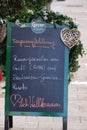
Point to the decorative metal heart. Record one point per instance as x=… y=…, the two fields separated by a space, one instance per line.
x=70 y=37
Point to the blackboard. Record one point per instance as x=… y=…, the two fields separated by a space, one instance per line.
x=37 y=72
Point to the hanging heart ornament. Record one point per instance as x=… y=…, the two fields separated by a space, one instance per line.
x=70 y=37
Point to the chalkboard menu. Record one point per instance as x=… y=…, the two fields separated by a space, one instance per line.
x=37 y=72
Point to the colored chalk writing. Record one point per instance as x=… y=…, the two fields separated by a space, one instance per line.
x=36 y=75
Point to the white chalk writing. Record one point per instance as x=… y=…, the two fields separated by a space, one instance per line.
x=16 y=86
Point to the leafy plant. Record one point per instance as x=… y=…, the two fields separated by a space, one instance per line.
x=25 y=11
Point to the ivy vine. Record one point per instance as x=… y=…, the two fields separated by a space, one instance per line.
x=25 y=11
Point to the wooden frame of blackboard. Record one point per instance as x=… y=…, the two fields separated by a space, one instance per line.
x=7 y=112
